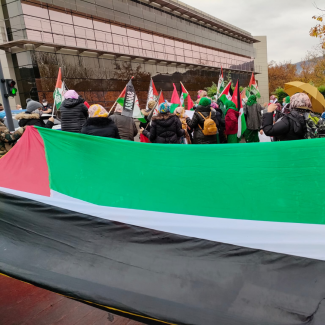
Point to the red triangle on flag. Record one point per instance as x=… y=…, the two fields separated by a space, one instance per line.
x=253 y=81
x=59 y=80
x=235 y=96
x=154 y=90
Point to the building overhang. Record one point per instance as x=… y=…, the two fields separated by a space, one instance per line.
x=28 y=45
x=182 y=9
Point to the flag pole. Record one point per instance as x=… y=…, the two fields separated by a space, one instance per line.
x=151 y=113
x=117 y=98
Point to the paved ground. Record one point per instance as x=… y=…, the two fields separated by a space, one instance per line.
x=24 y=304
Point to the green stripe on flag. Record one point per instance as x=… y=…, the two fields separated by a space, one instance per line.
x=257 y=179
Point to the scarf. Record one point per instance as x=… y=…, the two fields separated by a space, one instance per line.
x=251 y=100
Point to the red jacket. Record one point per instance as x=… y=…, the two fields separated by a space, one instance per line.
x=232 y=121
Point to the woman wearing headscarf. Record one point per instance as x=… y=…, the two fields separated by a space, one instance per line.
x=99 y=124
x=165 y=127
x=253 y=112
x=292 y=126
x=202 y=112
x=231 y=120
x=73 y=112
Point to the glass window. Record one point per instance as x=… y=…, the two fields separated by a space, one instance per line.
x=169 y=42
x=159 y=39
x=79 y=21
x=47 y=37
x=118 y=30
x=147 y=37
x=101 y=26
x=60 y=16
x=133 y=33
x=35 y=11
x=117 y=39
x=14 y=9
x=80 y=32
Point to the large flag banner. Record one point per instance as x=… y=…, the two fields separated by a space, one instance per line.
x=253 y=87
x=129 y=99
x=152 y=93
x=250 y=257
x=59 y=91
x=175 y=101
x=236 y=98
x=221 y=83
x=185 y=95
x=226 y=93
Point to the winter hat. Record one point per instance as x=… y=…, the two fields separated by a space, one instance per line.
x=287 y=100
x=87 y=104
x=164 y=108
x=204 y=101
x=323 y=115
x=71 y=94
x=97 y=111
x=300 y=100
x=214 y=105
x=32 y=106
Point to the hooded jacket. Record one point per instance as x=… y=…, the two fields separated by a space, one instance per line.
x=198 y=120
x=126 y=126
x=101 y=127
x=231 y=121
x=283 y=129
x=73 y=114
x=165 y=128
x=26 y=119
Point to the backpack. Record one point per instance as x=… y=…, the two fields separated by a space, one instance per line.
x=209 y=126
x=299 y=125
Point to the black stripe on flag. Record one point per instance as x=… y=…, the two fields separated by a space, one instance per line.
x=149 y=275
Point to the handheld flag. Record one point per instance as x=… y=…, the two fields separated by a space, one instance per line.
x=244 y=96
x=59 y=91
x=129 y=100
x=175 y=101
x=185 y=95
x=152 y=93
x=226 y=94
x=221 y=83
x=155 y=111
x=253 y=87
x=236 y=98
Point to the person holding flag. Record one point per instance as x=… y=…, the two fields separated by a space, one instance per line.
x=231 y=121
x=165 y=127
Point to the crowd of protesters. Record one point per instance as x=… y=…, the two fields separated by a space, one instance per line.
x=213 y=122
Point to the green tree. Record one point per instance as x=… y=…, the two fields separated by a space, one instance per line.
x=321 y=89
x=212 y=91
x=280 y=94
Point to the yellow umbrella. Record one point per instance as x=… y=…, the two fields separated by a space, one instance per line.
x=317 y=99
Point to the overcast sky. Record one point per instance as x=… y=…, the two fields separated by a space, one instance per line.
x=286 y=23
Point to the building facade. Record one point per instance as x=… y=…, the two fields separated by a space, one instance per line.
x=100 y=44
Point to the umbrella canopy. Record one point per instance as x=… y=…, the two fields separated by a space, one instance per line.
x=317 y=99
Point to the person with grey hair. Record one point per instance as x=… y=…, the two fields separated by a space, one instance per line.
x=126 y=126
x=32 y=116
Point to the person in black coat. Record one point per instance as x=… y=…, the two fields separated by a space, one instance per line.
x=291 y=126
x=198 y=121
x=32 y=116
x=99 y=124
x=165 y=127
x=73 y=112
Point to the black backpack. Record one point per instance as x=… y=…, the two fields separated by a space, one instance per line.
x=298 y=122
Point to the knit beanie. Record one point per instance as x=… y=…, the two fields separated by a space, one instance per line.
x=287 y=100
x=32 y=106
x=164 y=108
x=97 y=111
x=179 y=111
x=204 y=101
